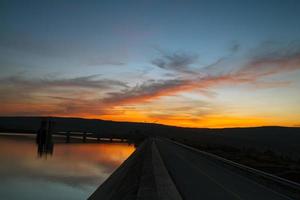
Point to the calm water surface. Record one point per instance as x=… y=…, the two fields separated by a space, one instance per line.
x=74 y=171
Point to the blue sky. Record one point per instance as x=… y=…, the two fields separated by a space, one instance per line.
x=71 y=46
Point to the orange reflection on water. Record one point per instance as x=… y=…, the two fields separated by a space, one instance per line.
x=106 y=153
x=78 y=167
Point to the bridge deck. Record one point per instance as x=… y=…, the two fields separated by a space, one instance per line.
x=161 y=169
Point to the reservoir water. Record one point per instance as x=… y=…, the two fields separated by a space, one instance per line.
x=73 y=171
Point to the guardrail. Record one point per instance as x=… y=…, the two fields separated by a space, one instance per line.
x=292 y=187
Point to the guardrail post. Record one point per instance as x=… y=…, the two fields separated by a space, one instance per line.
x=84 y=137
x=98 y=137
x=68 y=137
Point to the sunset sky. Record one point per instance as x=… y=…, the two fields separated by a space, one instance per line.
x=187 y=63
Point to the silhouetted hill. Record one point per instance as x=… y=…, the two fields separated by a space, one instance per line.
x=283 y=140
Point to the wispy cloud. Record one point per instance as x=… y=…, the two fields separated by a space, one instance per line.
x=270 y=58
x=94 y=95
x=264 y=63
x=146 y=91
x=54 y=96
x=91 y=81
x=235 y=48
x=179 y=61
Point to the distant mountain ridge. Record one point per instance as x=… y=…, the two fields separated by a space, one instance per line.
x=284 y=140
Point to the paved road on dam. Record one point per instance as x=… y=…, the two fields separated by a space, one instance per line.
x=166 y=170
x=198 y=177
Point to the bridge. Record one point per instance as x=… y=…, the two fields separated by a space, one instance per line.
x=45 y=137
x=164 y=169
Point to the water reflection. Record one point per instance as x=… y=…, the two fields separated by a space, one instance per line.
x=73 y=172
x=44 y=138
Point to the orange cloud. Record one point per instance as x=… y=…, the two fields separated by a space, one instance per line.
x=81 y=97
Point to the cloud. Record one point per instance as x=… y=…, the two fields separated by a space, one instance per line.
x=91 y=95
x=156 y=89
x=55 y=96
x=270 y=59
x=235 y=48
x=252 y=72
x=91 y=81
x=180 y=62
x=147 y=91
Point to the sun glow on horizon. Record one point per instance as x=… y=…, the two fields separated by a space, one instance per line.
x=184 y=64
